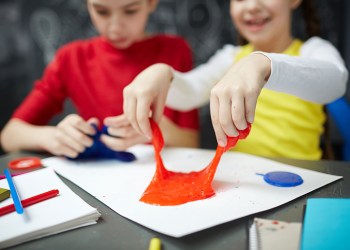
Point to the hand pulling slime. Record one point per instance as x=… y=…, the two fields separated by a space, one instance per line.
x=169 y=188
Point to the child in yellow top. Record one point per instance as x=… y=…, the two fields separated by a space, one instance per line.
x=298 y=78
x=285 y=124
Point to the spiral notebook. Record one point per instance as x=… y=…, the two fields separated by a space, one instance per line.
x=61 y=213
x=273 y=234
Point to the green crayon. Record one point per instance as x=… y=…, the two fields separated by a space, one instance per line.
x=4 y=194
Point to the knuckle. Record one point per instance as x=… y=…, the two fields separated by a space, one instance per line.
x=73 y=154
x=81 y=137
x=238 y=119
x=142 y=117
x=224 y=121
x=72 y=117
x=253 y=92
x=77 y=122
x=58 y=134
x=81 y=149
x=217 y=92
x=213 y=92
x=128 y=91
x=128 y=132
x=61 y=124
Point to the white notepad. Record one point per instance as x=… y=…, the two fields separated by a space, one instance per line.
x=61 y=213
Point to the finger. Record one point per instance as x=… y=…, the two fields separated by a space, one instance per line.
x=116 y=121
x=81 y=125
x=143 y=111
x=76 y=137
x=67 y=146
x=130 y=110
x=225 y=117
x=158 y=108
x=60 y=149
x=214 y=113
x=238 y=111
x=120 y=144
x=250 y=107
x=73 y=142
x=122 y=132
x=94 y=121
x=69 y=152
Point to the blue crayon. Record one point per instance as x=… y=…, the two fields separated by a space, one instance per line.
x=17 y=202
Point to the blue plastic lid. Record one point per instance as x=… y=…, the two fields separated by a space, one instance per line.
x=283 y=179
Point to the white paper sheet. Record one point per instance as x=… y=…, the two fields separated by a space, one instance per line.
x=239 y=191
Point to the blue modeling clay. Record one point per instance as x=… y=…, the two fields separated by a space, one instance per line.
x=282 y=179
x=98 y=150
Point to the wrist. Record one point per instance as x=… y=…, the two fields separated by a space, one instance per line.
x=44 y=137
x=265 y=62
x=165 y=70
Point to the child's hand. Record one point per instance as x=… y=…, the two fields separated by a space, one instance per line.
x=233 y=99
x=123 y=135
x=71 y=136
x=147 y=92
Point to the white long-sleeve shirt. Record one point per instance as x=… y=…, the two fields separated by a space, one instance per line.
x=317 y=75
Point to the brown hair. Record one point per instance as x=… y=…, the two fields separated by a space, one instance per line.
x=311 y=21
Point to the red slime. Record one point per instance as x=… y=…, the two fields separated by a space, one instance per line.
x=169 y=188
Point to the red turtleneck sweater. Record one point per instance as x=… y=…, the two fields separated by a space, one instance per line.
x=92 y=73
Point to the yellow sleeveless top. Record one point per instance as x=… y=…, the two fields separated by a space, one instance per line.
x=284 y=125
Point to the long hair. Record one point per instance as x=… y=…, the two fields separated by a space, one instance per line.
x=311 y=19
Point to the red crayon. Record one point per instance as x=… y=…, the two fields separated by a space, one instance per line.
x=4 y=177
x=30 y=201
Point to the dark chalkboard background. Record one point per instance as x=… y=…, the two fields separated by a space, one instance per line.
x=32 y=30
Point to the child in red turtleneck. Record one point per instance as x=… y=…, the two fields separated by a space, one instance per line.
x=92 y=73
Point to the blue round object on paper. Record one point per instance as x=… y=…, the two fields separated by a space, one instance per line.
x=283 y=179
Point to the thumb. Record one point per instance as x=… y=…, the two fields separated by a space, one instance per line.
x=93 y=120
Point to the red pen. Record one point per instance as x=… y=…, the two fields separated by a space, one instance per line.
x=4 y=177
x=30 y=201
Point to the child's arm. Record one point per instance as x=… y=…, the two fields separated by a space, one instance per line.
x=68 y=138
x=233 y=99
x=319 y=67
x=146 y=96
x=318 y=75
x=123 y=135
x=191 y=89
x=148 y=91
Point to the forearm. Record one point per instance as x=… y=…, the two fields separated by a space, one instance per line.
x=176 y=136
x=19 y=135
x=317 y=75
x=302 y=77
x=191 y=90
